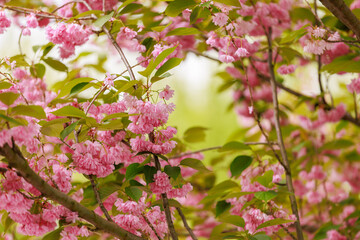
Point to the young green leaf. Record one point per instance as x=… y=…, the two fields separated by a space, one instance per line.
x=221 y=207
x=69 y=129
x=195 y=134
x=56 y=64
x=169 y=64
x=8 y=98
x=233 y=219
x=234 y=146
x=29 y=110
x=176 y=7
x=239 y=164
x=266 y=196
x=69 y=111
x=102 y=20
x=183 y=31
x=194 y=163
x=172 y=172
x=132 y=170
x=276 y=221
x=134 y=192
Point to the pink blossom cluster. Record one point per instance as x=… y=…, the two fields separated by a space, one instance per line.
x=162 y=185
x=354 y=86
x=160 y=145
x=147 y=115
x=286 y=69
x=68 y=36
x=72 y=232
x=133 y=214
x=91 y=158
x=126 y=38
x=4 y=22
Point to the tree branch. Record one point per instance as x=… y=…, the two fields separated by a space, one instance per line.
x=186 y=225
x=344 y=14
x=166 y=205
x=285 y=159
x=98 y=199
x=17 y=161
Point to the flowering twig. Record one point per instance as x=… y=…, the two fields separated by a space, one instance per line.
x=285 y=159
x=17 y=161
x=151 y=226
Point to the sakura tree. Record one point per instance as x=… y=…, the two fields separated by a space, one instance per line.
x=94 y=157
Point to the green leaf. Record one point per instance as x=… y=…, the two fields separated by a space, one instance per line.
x=235 y=3
x=239 y=164
x=134 y=192
x=153 y=64
x=195 y=134
x=115 y=124
x=321 y=232
x=223 y=187
x=221 y=207
x=262 y=236
x=195 y=164
x=172 y=172
x=102 y=20
x=233 y=219
x=293 y=36
x=265 y=179
x=183 y=31
x=342 y=64
x=69 y=111
x=8 y=98
x=56 y=64
x=149 y=172
x=234 y=146
x=132 y=170
x=169 y=64
x=54 y=235
x=106 y=188
x=87 y=13
x=337 y=144
x=69 y=87
x=131 y=8
x=38 y=70
x=276 y=221
x=69 y=129
x=172 y=203
x=76 y=89
x=117 y=115
x=5 y=85
x=176 y=7
x=265 y=196
x=29 y=110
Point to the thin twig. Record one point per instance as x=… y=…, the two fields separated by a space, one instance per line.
x=281 y=141
x=98 y=199
x=166 y=205
x=186 y=225
x=355 y=106
x=151 y=226
x=288 y=232
x=219 y=147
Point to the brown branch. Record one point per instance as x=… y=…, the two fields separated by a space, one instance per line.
x=166 y=204
x=17 y=161
x=344 y=14
x=285 y=159
x=186 y=225
x=151 y=226
x=98 y=199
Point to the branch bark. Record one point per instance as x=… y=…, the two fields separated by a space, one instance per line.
x=166 y=206
x=17 y=161
x=344 y=14
x=285 y=159
x=186 y=225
